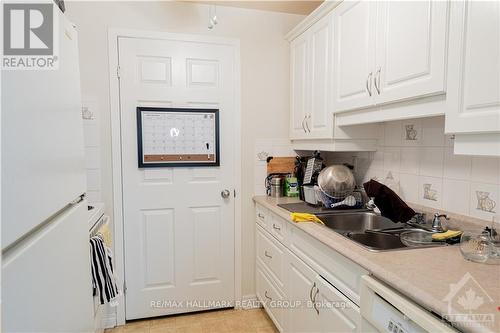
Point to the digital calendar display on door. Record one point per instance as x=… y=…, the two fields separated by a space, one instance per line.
x=177 y=137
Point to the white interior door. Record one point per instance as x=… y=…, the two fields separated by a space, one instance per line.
x=354 y=55
x=411 y=49
x=178 y=229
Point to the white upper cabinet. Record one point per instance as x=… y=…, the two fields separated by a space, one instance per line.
x=354 y=55
x=311 y=112
x=473 y=98
x=319 y=121
x=388 y=51
x=298 y=76
x=411 y=50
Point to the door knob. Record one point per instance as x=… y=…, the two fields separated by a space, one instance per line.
x=225 y=194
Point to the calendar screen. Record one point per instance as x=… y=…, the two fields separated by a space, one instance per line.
x=177 y=137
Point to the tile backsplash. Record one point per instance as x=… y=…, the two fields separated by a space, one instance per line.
x=415 y=158
x=92 y=150
x=263 y=149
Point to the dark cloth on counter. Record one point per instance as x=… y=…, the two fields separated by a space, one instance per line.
x=389 y=203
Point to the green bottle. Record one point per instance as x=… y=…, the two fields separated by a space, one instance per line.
x=291 y=187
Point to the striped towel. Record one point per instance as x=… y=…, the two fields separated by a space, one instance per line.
x=103 y=277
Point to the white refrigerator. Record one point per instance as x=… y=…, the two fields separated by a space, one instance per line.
x=46 y=279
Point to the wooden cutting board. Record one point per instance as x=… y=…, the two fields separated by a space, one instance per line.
x=281 y=165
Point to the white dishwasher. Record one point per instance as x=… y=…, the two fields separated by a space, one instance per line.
x=389 y=311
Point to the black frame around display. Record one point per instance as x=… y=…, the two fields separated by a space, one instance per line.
x=170 y=164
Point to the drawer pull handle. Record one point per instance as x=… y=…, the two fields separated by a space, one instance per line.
x=276 y=227
x=268 y=255
x=265 y=294
x=369 y=84
x=311 y=291
x=314 y=301
x=377 y=78
x=260 y=215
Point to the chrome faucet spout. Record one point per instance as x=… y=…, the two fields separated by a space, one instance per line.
x=437 y=226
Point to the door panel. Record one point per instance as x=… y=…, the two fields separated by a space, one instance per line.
x=207 y=244
x=158 y=246
x=473 y=102
x=299 y=82
x=411 y=49
x=320 y=121
x=301 y=285
x=179 y=231
x=354 y=54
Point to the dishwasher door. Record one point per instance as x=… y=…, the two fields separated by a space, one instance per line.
x=389 y=311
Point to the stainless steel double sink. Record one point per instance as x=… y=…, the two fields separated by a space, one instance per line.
x=370 y=230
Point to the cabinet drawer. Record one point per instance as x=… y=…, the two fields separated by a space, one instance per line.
x=270 y=297
x=336 y=312
x=261 y=215
x=340 y=271
x=270 y=255
x=278 y=227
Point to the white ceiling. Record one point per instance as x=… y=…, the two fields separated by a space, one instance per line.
x=293 y=7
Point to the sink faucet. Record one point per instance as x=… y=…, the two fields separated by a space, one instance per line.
x=436 y=223
x=419 y=218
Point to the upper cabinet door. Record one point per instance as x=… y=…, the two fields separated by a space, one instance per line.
x=411 y=50
x=354 y=55
x=320 y=114
x=473 y=98
x=299 y=82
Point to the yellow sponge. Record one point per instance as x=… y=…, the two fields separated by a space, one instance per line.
x=446 y=235
x=305 y=217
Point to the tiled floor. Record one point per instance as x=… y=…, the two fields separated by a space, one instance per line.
x=220 y=321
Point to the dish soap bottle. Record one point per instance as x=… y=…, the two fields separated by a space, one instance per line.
x=291 y=186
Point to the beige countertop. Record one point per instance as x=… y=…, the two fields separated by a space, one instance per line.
x=427 y=275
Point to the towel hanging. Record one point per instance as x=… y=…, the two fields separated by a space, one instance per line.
x=103 y=277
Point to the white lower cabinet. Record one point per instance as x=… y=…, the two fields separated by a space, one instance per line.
x=336 y=313
x=302 y=317
x=270 y=254
x=304 y=286
x=270 y=297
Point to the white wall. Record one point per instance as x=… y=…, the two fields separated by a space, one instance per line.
x=264 y=77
